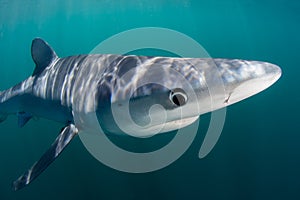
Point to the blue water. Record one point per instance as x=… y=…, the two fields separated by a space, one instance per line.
x=258 y=154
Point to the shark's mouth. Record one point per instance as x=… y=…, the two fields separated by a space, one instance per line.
x=169 y=126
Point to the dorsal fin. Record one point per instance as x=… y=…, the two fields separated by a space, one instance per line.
x=42 y=54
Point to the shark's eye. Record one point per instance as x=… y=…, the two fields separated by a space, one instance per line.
x=178 y=97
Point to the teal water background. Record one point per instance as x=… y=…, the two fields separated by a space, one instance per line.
x=258 y=154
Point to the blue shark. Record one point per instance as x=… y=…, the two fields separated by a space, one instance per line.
x=62 y=88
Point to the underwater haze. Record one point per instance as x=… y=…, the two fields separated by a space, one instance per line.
x=258 y=153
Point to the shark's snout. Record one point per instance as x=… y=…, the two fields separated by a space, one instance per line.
x=243 y=79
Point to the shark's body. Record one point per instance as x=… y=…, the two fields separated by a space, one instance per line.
x=60 y=88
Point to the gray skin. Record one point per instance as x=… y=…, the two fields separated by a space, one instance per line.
x=124 y=92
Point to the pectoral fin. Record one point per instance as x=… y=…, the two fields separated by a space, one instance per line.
x=23 y=118
x=3 y=117
x=49 y=156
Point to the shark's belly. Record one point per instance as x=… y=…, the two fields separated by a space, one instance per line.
x=48 y=109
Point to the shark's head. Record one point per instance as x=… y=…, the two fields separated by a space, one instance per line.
x=157 y=95
x=243 y=79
